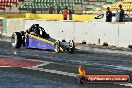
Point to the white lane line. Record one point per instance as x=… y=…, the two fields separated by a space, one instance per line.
x=59 y=72
x=27 y=67
x=52 y=71
x=127 y=84
x=36 y=60
x=45 y=63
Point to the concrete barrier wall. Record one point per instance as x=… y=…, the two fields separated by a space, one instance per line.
x=125 y=35
x=14 y=25
x=84 y=32
x=106 y=33
x=114 y=34
x=96 y=33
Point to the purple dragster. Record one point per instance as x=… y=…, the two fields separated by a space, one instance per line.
x=36 y=37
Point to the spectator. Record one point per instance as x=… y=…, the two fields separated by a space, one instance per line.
x=120 y=14
x=108 y=15
x=70 y=14
x=58 y=9
x=65 y=13
x=51 y=9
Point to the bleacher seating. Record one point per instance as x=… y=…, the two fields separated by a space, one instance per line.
x=4 y=4
x=3 y=7
x=41 y=5
x=7 y=3
x=126 y=4
x=38 y=5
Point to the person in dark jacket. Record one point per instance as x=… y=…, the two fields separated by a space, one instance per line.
x=51 y=9
x=70 y=14
x=108 y=15
x=120 y=14
x=58 y=9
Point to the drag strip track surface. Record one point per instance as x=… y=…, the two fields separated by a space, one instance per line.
x=57 y=70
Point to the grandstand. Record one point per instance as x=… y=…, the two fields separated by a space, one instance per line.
x=56 y=6
x=7 y=3
x=38 y=5
x=94 y=2
x=43 y=6
x=126 y=4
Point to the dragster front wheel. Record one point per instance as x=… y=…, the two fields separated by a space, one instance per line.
x=16 y=40
x=57 y=46
x=71 y=47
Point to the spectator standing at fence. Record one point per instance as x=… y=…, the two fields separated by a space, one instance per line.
x=120 y=14
x=65 y=14
x=58 y=9
x=51 y=9
x=70 y=14
x=108 y=15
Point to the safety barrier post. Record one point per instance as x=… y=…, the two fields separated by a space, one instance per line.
x=3 y=25
x=4 y=30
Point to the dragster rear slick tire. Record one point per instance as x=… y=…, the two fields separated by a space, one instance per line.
x=16 y=40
